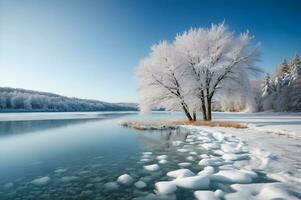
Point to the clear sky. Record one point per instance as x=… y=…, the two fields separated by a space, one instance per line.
x=91 y=48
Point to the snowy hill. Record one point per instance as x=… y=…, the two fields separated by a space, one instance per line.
x=15 y=99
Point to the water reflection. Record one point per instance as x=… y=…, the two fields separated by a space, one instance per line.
x=8 y=128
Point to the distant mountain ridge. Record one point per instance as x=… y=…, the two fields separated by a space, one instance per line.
x=17 y=99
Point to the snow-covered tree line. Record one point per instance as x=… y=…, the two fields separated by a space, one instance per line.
x=28 y=100
x=196 y=69
x=282 y=90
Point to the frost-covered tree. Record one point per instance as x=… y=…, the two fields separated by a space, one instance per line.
x=204 y=62
x=161 y=79
x=282 y=92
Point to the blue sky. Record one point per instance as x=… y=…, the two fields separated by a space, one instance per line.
x=90 y=49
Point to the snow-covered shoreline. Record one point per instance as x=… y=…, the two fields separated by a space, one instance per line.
x=271 y=151
x=234 y=156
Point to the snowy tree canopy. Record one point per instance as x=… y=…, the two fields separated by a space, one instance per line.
x=200 y=63
x=12 y=99
x=282 y=91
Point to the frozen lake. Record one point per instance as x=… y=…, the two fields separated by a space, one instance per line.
x=75 y=155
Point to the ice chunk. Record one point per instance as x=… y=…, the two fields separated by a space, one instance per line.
x=125 y=179
x=231 y=156
x=193 y=153
x=209 y=146
x=205 y=195
x=145 y=160
x=165 y=187
x=183 y=150
x=219 y=193
x=184 y=164
x=162 y=157
x=177 y=143
x=163 y=161
x=111 y=186
x=140 y=184
x=156 y=197
x=211 y=161
x=180 y=173
x=232 y=176
x=198 y=182
x=190 y=158
x=207 y=171
x=204 y=156
x=153 y=167
x=41 y=181
x=147 y=153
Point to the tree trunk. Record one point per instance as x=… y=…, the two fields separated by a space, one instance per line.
x=209 y=111
x=203 y=106
x=186 y=112
x=194 y=116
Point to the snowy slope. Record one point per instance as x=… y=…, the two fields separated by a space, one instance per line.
x=12 y=99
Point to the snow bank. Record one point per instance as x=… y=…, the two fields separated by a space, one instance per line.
x=266 y=191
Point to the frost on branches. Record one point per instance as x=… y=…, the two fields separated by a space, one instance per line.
x=282 y=91
x=198 y=67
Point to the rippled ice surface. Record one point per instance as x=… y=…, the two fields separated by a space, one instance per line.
x=74 y=159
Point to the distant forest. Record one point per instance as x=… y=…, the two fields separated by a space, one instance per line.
x=13 y=99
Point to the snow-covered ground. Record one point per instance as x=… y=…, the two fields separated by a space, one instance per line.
x=288 y=124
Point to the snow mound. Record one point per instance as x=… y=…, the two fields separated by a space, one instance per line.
x=163 y=161
x=165 y=187
x=125 y=179
x=233 y=176
x=207 y=171
x=177 y=143
x=210 y=146
x=180 y=173
x=205 y=195
x=233 y=157
x=184 y=164
x=183 y=150
x=153 y=167
x=145 y=160
x=267 y=191
x=211 y=162
x=41 y=181
x=140 y=184
x=198 y=182
x=190 y=158
x=157 y=197
x=162 y=157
